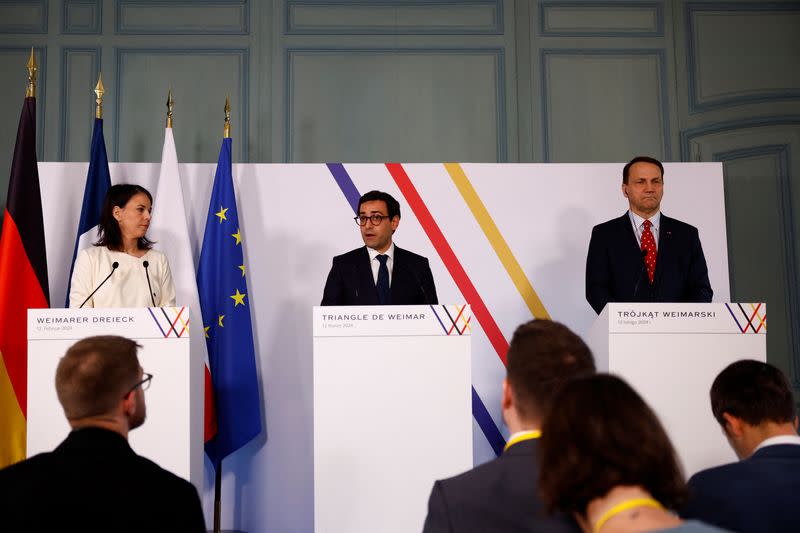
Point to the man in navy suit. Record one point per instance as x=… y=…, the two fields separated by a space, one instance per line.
x=503 y=495
x=644 y=255
x=379 y=273
x=753 y=403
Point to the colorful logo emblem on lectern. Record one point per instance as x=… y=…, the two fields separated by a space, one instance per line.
x=172 y=321
x=751 y=320
x=454 y=321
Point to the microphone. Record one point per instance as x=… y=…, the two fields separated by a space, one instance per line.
x=145 y=264
x=114 y=266
x=641 y=271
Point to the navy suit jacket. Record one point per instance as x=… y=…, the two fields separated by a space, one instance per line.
x=501 y=495
x=94 y=482
x=614 y=265
x=350 y=281
x=761 y=493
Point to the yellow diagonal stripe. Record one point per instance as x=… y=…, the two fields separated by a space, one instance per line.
x=497 y=241
x=758 y=314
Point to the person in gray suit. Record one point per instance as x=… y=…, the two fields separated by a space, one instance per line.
x=502 y=495
x=753 y=403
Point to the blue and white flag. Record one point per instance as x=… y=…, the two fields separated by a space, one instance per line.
x=98 y=181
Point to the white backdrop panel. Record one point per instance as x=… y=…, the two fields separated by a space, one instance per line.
x=295 y=219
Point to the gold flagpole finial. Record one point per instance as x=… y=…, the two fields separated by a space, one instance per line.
x=227 y=132
x=170 y=105
x=99 y=90
x=30 y=90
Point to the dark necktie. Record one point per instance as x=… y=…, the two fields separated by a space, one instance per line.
x=649 y=244
x=384 y=294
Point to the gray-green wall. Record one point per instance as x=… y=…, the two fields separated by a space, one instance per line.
x=442 y=80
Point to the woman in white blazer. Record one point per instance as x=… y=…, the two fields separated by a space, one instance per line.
x=137 y=275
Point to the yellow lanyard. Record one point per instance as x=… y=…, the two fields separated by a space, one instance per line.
x=524 y=435
x=624 y=506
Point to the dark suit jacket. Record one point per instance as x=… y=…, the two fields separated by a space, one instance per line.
x=614 y=265
x=501 y=495
x=761 y=493
x=93 y=481
x=350 y=280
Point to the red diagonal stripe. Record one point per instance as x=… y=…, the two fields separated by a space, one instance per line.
x=172 y=326
x=451 y=262
x=455 y=321
x=755 y=312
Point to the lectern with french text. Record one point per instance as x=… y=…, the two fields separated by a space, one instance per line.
x=392 y=412
x=671 y=353
x=172 y=435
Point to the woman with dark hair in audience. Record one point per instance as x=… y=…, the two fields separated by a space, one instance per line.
x=606 y=460
x=123 y=251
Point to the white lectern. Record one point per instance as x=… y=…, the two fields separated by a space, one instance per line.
x=671 y=353
x=392 y=412
x=172 y=435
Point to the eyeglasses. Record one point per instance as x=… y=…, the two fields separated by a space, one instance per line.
x=376 y=219
x=144 y=383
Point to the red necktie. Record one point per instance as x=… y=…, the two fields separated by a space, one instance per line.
x=649 y=244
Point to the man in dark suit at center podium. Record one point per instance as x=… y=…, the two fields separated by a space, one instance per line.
x=379 y=273
x=644 y=255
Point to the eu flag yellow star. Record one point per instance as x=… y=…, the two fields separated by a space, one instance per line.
x=221 y=214
x=205 y=330
x=237 y=236
x=238 y=298
x=219 y=321
x=242 y=268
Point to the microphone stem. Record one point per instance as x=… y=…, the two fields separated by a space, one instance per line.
x=113 y=268
x=149 y=287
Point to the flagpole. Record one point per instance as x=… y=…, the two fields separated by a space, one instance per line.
x=30 y=90
x=217 y=491
x=99 y=90
x=226 y=133
x=170 y=106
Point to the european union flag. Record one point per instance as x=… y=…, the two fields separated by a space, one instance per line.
x=224 y=302
x=98 y=181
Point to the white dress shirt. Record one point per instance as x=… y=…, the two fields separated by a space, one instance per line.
x=373 y=260
x=638 y=226
x=780 y=439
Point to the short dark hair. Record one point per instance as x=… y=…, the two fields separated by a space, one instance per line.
x=95 y=374
x=542 y=356
x=603 y=435
x=392 y=205
x=753 y=391
x=108 y=231
x=640 y=159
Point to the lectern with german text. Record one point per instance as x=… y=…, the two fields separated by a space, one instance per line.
x=172 y=435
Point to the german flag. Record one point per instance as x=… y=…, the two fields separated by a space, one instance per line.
x=23 y=283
